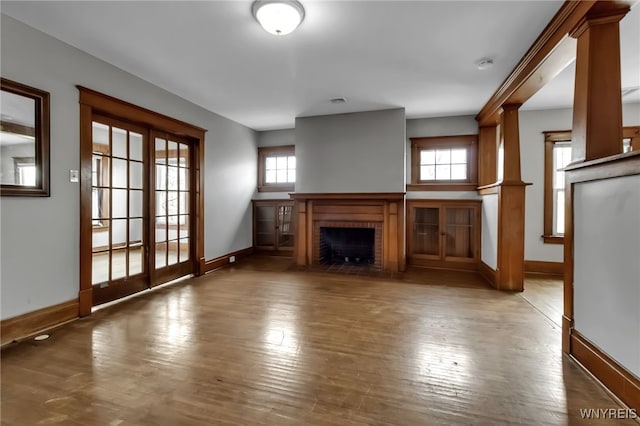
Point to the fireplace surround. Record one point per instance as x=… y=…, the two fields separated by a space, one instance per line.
x=381 y=212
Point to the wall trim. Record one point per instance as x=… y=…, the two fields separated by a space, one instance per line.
x=543 y=267
x=488 y=273
x=615 y=377
x=22 y=326
x=222 y=261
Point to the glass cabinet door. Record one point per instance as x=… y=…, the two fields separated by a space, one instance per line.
x=426 y=230
x=285 y=226
x=459 y=223
x=265 y=224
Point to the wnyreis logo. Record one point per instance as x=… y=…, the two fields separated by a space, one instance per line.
x=608 y=413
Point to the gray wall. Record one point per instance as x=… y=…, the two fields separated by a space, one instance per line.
x=39 y=242
x=606 y=267
x=358 y=152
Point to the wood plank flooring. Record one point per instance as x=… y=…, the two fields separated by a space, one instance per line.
x=262 y=344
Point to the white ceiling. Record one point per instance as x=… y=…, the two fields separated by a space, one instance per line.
x=419 y=55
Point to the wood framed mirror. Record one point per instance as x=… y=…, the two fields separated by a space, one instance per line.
x=24 y=140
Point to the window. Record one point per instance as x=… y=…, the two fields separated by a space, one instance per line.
x=557 y=157
x=276 y=168
x=444 y=163
x=25 y=169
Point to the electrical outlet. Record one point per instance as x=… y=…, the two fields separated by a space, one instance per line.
x=232 y=259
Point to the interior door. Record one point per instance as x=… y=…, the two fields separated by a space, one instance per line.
x=119 y=229
x=171 y=202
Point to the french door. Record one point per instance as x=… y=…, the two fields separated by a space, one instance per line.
x=141 y=208
x=172 y=214
x=119 y=228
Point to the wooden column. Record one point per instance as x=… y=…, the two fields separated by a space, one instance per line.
x=487 y=155
x=597 y=118
x=511 y=201
x=597 y=105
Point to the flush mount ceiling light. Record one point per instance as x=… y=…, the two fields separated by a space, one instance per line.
x=278 y=17
x=484 y=63
x=340 y=100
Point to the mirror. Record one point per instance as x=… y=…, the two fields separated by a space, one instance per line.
x=24 y=140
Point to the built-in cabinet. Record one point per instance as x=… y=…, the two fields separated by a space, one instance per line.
x=443 y=233
x=274 y=226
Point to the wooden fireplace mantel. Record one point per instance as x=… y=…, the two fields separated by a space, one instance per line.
x=383 y=211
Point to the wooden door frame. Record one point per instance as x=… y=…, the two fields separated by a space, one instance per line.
x=94 y=102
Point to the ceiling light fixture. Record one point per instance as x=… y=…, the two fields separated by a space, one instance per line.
x=278 y=17
x=340 y=100
x=484 y=63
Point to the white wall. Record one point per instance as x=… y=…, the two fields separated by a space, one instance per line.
x=532 y=124
x=358 y=152
x=490 y=230
x=607 y=267
x=275 y=138
x=39 y=241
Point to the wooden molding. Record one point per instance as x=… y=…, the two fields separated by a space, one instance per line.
x=567 y=326
x=117 y=108
x=488 y=189
x=222 y=261
x=489 y=274
x=541 y=267
x=25 y=325
x=605 y=168
x=488 y=154
x=553 y=239
x=348 y=196
x=441 y=186
x=615 y=377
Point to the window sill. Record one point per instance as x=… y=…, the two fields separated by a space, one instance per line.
x=442 y=186
x=553 y=239
x=276 y=188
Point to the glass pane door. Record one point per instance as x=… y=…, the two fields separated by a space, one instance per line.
x=172 y=211
x=459 y=227
x=265 y=223
x=285 y=226
x=117 y=209
x=426 y=231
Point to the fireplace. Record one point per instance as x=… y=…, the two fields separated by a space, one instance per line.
x=352 y=246
x=353 y=229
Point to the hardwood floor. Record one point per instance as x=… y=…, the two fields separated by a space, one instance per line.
x=545 y=293
x=262 y=344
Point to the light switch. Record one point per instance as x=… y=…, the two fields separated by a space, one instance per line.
x=73 y=176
